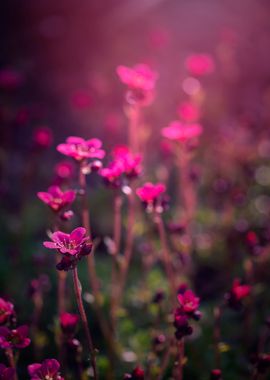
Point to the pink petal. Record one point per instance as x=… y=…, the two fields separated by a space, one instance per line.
x=69 y=196
x=78 y=234
x=33 y=368
x=44 y=197
x=60 y=237
x=50 y=245
x=75 y=140
x=55 y=191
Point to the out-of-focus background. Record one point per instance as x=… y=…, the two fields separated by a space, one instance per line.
x=58 y=78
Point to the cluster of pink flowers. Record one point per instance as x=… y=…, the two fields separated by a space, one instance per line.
x=71 y=246
x=189 y=305
x=124 y=167
x=6 y=373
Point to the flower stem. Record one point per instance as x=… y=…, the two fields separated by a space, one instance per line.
x=217 y=335
x=78 y=293
x=117 y=239
x=180 y=361
x=164 y=362
x=166 y=256
x=10 y=356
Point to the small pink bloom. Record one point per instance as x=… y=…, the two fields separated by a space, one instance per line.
x=68 y=243
x=6 y=310
x=80 y=149
x=43 y=137
x=64 y=169
x=16 y=338
x=140 y=77
x=72 y=246
x=112 y=173
x=57 y=199
x=188 y=112
x=6 y=373
x=188 y=301
x=239 y=290
x=150 y=192
x=131 y=162
x=68 y=322
x=181 y=132
x=200 y=64
x=47 y=370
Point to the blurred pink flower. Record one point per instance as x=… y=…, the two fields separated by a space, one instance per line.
x=150 y=192
x=16 y=338
x=57 y=199
x=112 y=173
x=80 y=149
x=6 y=373
x=131 y=162
x=43 y=137
x=68 y=322
x=240 y=291
x=200 y=64
x=6 y=310
x=140 y=77
x=181 y=132
x=64 y=169
x=188 y=112
x=188 y=301
x=47 y=370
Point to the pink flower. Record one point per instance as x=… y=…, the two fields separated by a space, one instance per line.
x=16 y=338
x=47 y=370
x=131 y=163
x=140 y=77
x=43 y=137
x=57 y=199
x=200 y=64
x=6 y=373
x=64 y=169
x=237 y=294
x=72 y=246
x=112 y=173
x=181 y=132
x=188 y=301
x=6 y=310
x=240 y=291
x=150 y=192
x=80 y=149
x=189 y=112
x=68 y=322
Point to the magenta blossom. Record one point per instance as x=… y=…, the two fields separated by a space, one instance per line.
x=47 y=370
x=80 y=149
x=6 y=373
x=16 y=338
x=237 y=294
x=188 y=301
x=149 y=192
x=43 y=137
x=68 y=322
x=131 y=162
x=181 y=132
x=188 y=112
x=72 y=246
x=112 y=173
x=6 y=310
x=200 y=64
x=57 y=199
x=140 y=77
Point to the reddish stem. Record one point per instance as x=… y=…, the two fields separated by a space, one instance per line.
x=11 y=360
x=78 y=293
x=166 y=256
